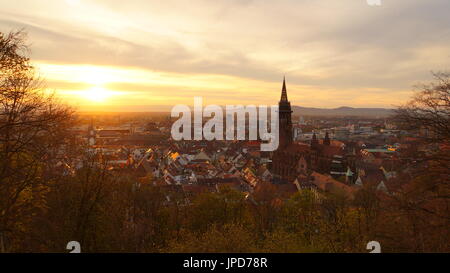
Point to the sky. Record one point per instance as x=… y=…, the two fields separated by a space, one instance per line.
x=147 y=55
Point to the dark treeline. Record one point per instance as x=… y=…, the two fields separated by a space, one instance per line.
x=107 y=212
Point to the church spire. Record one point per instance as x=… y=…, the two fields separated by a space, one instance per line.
x=327 y=140
x=285 y=120
x=314 y=142
x=283 y=91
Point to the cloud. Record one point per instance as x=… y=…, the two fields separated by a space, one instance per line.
x=322 y=44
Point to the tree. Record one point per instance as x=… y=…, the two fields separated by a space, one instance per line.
x=429 y=109
x=228 y=238
x=33 y=130
x=300 y=214
x=423 y=201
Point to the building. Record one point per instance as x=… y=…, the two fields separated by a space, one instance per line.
x=292 y=159
x=289 y=156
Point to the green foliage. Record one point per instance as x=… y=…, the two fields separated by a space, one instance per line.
x=232 y=238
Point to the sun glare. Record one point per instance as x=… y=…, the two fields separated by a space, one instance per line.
x=97 y=94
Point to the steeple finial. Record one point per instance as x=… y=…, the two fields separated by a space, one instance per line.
x=283 y=91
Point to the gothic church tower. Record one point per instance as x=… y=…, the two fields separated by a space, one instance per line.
x=284 y=116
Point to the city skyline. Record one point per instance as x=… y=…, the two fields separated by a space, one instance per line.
x=104 y=54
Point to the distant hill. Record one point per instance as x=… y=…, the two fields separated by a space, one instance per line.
x=342 y=111
x=298 y=110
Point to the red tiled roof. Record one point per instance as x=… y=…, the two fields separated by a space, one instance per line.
x=298 y=147
x=328 y=184
x=330 y=151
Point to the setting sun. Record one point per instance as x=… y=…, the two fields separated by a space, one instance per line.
x=97 y=94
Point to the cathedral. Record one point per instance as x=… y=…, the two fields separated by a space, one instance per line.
x=293 y=160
